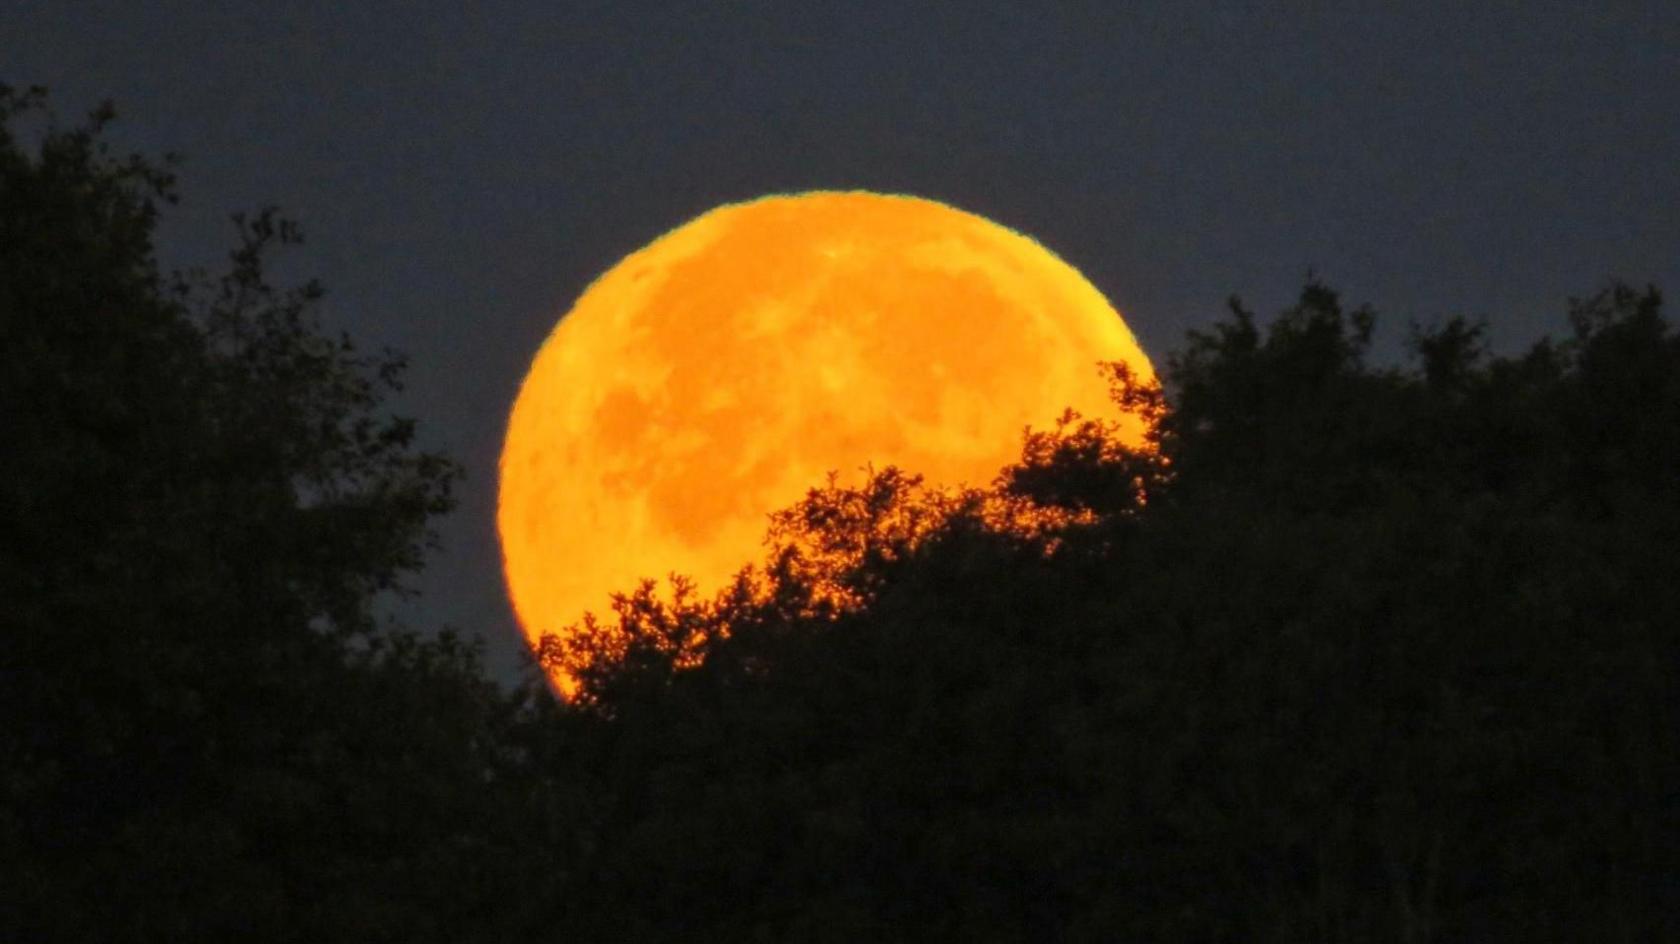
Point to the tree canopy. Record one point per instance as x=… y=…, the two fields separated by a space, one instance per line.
x=206 y=731
x=1345 y=652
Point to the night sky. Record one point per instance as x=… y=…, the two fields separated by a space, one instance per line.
x=463 y=170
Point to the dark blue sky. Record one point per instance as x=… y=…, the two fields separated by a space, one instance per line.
x=463 y=170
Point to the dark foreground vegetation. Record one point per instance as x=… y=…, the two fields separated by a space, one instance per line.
x=1346 y=653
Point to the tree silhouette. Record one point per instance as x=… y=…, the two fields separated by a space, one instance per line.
x=1342 y=653
x=206 y=733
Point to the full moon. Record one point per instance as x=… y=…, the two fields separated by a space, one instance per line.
x=720 y=372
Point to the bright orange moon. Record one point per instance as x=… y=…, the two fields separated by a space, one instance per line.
x=718 y=373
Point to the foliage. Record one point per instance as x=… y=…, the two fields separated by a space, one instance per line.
x=1340 y=653
x=203 y=730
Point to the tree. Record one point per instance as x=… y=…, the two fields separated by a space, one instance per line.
x=206 y=732
x=1342 y=653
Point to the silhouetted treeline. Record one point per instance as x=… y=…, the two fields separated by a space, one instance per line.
x=1344 y=652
